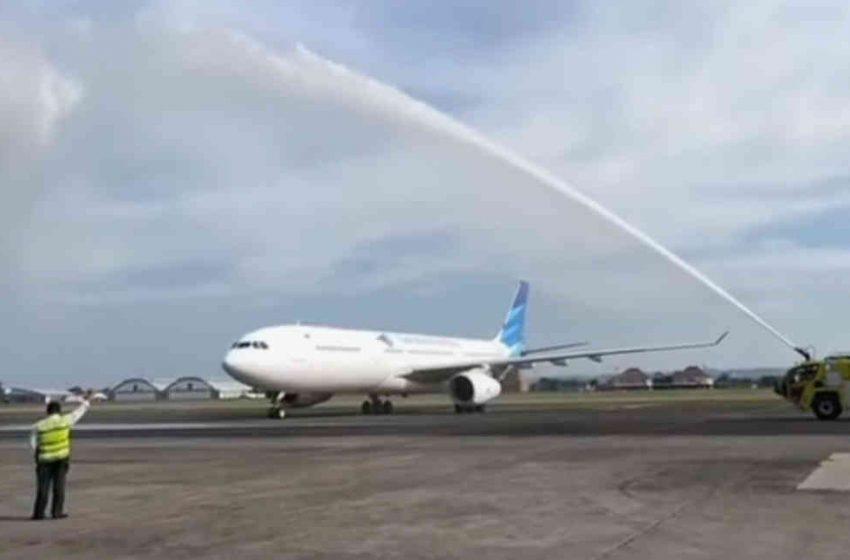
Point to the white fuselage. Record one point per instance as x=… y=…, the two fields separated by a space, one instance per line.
x=302 y=359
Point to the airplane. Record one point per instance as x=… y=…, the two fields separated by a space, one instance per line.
x=303 y=365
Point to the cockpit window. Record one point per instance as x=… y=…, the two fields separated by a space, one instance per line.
x=258 y=344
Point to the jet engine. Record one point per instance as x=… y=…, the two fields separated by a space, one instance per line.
x=303 y=400
x=473 y=388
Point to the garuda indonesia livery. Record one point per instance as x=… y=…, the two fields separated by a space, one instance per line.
x=302 y=365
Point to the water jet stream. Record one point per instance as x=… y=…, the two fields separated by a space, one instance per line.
x=386 y=99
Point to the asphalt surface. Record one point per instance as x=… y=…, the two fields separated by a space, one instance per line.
x=619 y=479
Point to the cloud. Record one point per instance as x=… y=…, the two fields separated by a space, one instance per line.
x=35 y=98
x=283 y=163
x=193 y=171
x=688 y=111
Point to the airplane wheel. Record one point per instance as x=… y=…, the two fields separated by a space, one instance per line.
x=277 y=413
x=479 y=408
x=387 y=407
x=366 y=407
x=458 y=409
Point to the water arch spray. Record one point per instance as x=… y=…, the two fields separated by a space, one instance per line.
x=366 y=93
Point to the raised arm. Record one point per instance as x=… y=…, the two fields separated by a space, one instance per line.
x=78 y=413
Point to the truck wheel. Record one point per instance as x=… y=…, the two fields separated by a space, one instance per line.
x=827 y=407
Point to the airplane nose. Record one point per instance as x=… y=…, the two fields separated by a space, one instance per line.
x=233 y=365
x=245 y=366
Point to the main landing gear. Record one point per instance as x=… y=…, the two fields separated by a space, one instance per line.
x=376 y=406
x=276 y=412
x=468 y=408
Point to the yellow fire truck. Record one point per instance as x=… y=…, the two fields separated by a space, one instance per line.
x=818 y=385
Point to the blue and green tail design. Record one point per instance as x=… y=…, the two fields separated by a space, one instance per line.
x=512 y=333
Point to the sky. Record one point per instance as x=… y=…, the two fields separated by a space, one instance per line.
x=174 y=174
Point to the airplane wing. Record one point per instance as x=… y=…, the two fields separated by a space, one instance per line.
x=552 y=348
x=442 y=372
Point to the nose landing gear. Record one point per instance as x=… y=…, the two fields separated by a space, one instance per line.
x=276 y=410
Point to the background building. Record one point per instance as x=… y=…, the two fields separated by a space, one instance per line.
x=186 y=388
x=232 y=389
x=137 y=389
x=18 y=395
x=189 y=388
x=26 y=395
x=692 y=376
x=198 y=388
x=632 y=378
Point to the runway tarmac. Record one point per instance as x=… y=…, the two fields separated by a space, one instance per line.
x=622 y=479
x=624 y=416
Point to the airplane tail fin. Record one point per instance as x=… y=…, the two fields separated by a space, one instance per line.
x=512 y=333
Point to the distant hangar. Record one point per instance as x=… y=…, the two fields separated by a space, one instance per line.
x=137 y=389
x=180 y=389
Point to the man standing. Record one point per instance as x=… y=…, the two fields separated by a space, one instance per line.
x=51 y=441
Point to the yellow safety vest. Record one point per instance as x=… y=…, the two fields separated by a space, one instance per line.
x=54 y=438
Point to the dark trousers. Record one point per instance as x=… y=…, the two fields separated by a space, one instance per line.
x=50 y=474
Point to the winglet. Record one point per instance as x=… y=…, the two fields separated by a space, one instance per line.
x=720 y=338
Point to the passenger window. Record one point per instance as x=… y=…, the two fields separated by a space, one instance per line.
x=264 y=346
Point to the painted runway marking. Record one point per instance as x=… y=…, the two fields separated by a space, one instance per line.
x=832 y=474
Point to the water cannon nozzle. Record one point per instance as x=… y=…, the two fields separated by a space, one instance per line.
x=803 y=352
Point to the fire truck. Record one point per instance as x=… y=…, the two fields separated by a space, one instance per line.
x=820 y=386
